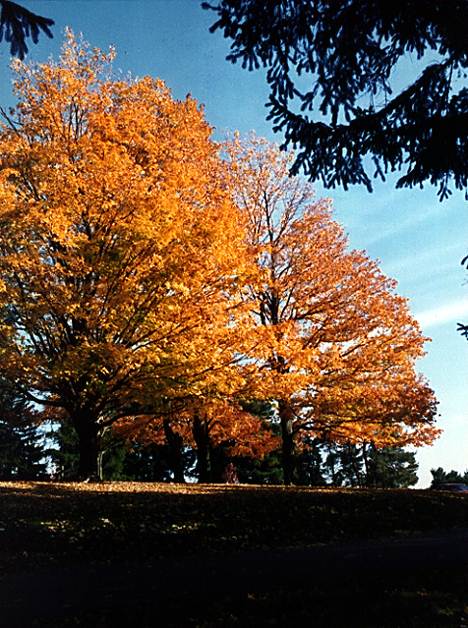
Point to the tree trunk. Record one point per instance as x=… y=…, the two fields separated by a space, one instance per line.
x=288 y=461
x=174 y=443
x=219 y=460
x=202 y=440
x=89 y=467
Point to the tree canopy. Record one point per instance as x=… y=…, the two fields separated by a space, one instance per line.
x=338 y=345
x=330 y=67
x=332 y=348
x=119 y=246
x=147 y=282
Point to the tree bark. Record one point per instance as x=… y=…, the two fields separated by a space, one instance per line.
x=89 y=467
x=219 y=460
x=288 y=460
x=174 y=443
x=202 y=440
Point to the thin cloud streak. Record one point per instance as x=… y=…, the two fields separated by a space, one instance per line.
x=392 y=229
x=444 y=258
x=456 y=311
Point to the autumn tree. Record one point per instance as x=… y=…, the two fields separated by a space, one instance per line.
x=223 y=431
x=120 y=248
x=330 y=68
x=338 y=345
x=265 y=469
x=165 y=433
x=218 y=430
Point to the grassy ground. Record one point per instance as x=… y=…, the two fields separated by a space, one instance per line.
x=48 y=521
x=46 y=526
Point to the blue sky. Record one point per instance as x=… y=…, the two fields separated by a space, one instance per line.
x=419 y=241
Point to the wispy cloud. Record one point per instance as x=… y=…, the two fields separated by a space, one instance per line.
x=389 y=213
x=442 y=259
x=396 y=224
x=453 y=312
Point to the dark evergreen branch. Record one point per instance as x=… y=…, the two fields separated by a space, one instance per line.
x=17 y=24
x=348 y=51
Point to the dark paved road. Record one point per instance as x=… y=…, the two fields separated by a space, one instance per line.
x=59 y=591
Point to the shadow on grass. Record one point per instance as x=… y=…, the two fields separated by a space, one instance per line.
x=360 y=605
x=50 y=521
x=126 y=554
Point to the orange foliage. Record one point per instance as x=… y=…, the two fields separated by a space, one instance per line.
x=224 y=422
x=137 y=270
x=120 y=247
x=338 y=346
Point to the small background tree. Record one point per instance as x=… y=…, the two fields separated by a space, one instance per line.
x=440 y=476
x=22 y=451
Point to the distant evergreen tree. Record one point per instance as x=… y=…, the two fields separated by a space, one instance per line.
x=439 y=476
x=390 y=467
x=120 y=460
x=351 y=463
x=153 y=463
x=310 y=464
x=363 y=466
x=265 y=471
x=64 y=455
x=21 y=447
